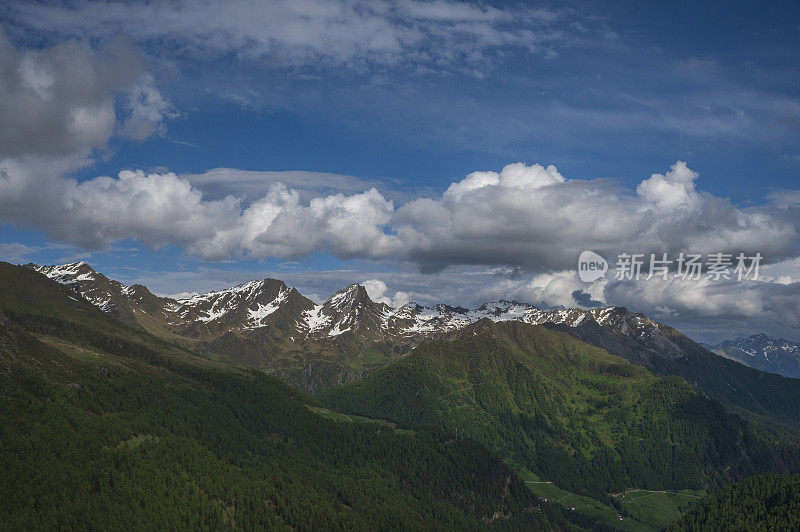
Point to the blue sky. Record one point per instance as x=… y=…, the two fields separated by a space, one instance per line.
x=407 y=98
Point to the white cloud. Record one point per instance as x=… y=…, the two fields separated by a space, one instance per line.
x=156 y=209
x=377 y=291
x=313 y=31
x=60 y=101
x=524 y=216
x=533 y=218
x=714 y=309
x=280 y=225
x=673 y=190
x=513 y=176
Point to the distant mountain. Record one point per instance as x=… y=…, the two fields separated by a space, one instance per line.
x=764 y=353
x=270 y=326
x=267 y=325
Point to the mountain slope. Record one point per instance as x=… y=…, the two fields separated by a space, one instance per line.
x=764 y=502
x=269 y=326
x=567 y=411
x=666 y=351
x=763 y=353
x=103 y=424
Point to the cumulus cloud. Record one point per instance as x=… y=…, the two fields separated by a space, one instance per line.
x=714 y=309
x=513 y=176
x=314 y=31
x=58 y=106
x=280 y=225
x=161 y=209
x=673 y=190
x=60 y=101
x=156 y=209
x=534 y=218
x=377 y=290
x=528 y=217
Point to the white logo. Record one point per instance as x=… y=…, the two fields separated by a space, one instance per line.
x=591 y=266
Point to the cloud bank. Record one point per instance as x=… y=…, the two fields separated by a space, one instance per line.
x=530 y=217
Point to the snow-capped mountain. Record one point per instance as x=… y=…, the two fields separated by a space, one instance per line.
x=270 y=303
x=241 y=308
x=763 y=352
x=446 y=318
x=267 y=324
x=349 y=310
x=613 y=328
x=122 y=302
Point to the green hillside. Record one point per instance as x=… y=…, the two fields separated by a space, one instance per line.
x=764 y=502
x=735 y=385
x=568 y=412
x=102 y=426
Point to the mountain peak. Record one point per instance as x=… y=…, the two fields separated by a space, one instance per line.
x=351 y=295
x=350 y=309
x=73 y=271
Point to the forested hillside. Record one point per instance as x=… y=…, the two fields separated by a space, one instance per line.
x=568 y=411
x=730 y=382
x=764 y=502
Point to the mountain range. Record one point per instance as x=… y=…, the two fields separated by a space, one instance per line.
x=270 y=326
x=505 y=416
x=764 y=353
x=271 y=304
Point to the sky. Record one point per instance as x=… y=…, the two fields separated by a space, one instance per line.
x=433 y=151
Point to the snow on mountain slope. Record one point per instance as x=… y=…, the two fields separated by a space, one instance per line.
x=241 y=308
x=269 y=304
x=413 y=318
x=105 y=293
x=763 y=352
